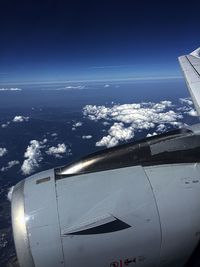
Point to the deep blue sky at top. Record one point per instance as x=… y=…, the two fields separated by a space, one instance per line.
x=75 y=40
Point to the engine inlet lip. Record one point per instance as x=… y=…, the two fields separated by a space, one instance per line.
x=19 y=228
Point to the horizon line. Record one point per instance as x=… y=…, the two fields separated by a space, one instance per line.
x=93 y=80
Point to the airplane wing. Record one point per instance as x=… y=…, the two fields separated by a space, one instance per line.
x=190 y=65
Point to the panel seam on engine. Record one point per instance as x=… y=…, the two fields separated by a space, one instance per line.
x=156 y=204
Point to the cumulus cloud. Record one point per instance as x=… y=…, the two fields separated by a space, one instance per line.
x=192 y=112
x=86 y=136
x=32 y=157
x=34 y=154
x=117 y=132
x=127 y=119
x=107 y=141
x=10 y=89
x=10 y=165
x=153 y=134
x=76 y=125
x=56 y=151
x=20 y=119
x=3 y=151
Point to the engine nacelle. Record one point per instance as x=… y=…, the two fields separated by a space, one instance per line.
x=132 y=216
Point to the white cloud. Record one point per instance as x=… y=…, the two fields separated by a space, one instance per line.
x=54 y=134
x=87 y=136
x=106 y=85
x=4 y=125
x=176 y=124
x=17 y=118
x=3 y=151
x=44 y=141
x=107 y=141
x=75 y=87
x=153 y=134
x=57 y=151
x=20 y=119
x=105 y=123
x=186 y=100
x=10 y=165
x=192 y=113
x=10 y=89
x=117 y=132
x=76 y=124
x=72 y=87
x=161 y=106
x=32 y=157
x=126 y=119
x=188 y=108
x=161 y=128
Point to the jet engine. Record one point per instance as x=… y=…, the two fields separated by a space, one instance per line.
x=133 y=205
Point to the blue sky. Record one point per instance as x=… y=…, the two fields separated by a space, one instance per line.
x=83 y=40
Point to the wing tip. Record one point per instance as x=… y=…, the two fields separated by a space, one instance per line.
x=189 y=64
x=196 y=53
x=180 y=57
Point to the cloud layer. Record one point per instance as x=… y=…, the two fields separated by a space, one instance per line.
x=10 y=89
x=127 y=119
x=72 y=87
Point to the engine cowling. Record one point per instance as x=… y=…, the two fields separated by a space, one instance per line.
x=133 y=216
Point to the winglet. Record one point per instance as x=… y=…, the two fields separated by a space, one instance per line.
x=190 y=65
x=196 y=53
